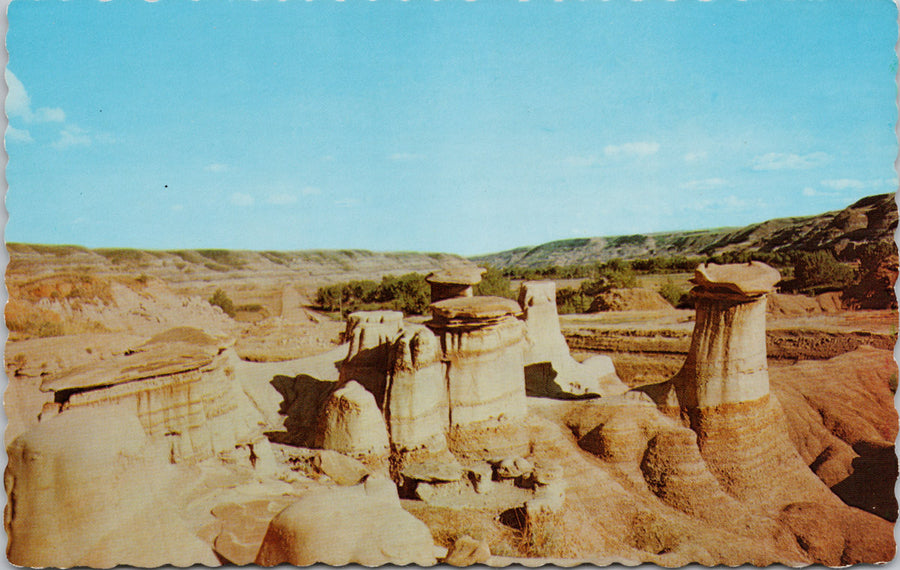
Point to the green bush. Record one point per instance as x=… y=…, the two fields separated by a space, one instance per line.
x=673 y=293
x=494 y=284
x=220 y=299
x=820 y=271
x=409 y=293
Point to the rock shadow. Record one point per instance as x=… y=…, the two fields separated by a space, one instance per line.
x=540 y=382
x=303 y=399
x=871 y=485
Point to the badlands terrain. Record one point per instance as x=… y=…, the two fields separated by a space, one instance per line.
x=146 y=426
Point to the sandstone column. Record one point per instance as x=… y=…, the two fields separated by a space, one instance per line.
x=727 y=359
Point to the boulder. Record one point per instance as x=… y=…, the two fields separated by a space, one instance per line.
x=87 y=488
x=363 y=524
x=351 y=423
x=341 y=469
x=466 y=551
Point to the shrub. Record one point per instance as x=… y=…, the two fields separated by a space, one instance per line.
x=494 y=283
x=220 y=299
x=673 y=293
x=820 y=271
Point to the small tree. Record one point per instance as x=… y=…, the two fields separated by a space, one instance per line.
x=820 y=271
x=494 y=284
x=220 y=299
x=672 y=292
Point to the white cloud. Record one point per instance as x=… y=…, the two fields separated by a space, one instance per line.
x=282 y=199
x=631 y=149
x=216 y=167
x=810 y=192
x=785 y=161
x=310 y=191
x=18 y=104
x=705 y=184
x=177 y=207
x=72 y=135
x=404 y=157
x=696 y=156
x=18 y=135
x=241 y=199
x=346 y=203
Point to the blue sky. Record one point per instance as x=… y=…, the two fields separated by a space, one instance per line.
x=467 y=127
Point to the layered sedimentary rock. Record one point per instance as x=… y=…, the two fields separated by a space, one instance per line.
x=722 y=393
x=550 y=369
x=454 y=282
x=417 y=407
x=370 y=334
x=482 y=343
x=351 y=423
x=180 y=384
x=363 y=524
x=87 y=488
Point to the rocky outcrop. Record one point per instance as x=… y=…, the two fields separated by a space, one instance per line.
x=180 y=384
x=363 y=524
x=417 y=408
x=454 y=282
x=351 y=423
x=87 y=488
x=550 y=369
x=482 y=342
x=370 y=334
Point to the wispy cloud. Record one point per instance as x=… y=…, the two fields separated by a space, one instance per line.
x=177 y=207
x=18 y=135
x=72 y=135
x=705 y=184
x=643 y=148
x=404 y=157
x=241 y=199
x=786 y=161
x=696 y=156
x=346 y=203
x=18 y=104
x=310 y=190
x=216 y=167
x=730 y=203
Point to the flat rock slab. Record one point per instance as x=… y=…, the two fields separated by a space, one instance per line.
x=457 y=276
x=751 y=279
x=243 y=526
x=475 y=308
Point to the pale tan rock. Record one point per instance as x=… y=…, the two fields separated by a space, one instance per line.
x=370 y=335
x=481 y=476
x=550 y=370
x=365 y=524
x=454 y=282
x=180 y=384
x=351 y=423
x=747 y=279
x=514 y=467
x=87 y=488
x=417 y=405
x=482 y=342
x=341 y=469
x=466 y=551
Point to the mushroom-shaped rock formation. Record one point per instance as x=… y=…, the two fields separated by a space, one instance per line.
x=352 y=424
x=87 y=488
x=726 y=363
x=722 y=392
x=363 y=524
x=454 y=282
x=482 y=342
x=417 y=405
x=550 y=369
x=181 y=385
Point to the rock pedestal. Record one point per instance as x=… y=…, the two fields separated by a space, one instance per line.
x=726 y=363
x=550 y=370
x=482 y=343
